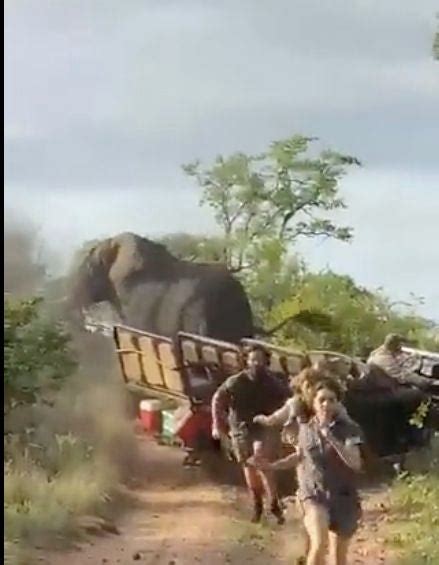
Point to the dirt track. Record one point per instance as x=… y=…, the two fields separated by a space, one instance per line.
x=179 y=517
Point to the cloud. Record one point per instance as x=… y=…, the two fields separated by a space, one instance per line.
x=104 y=100
x=113 y=92
x=395 y=237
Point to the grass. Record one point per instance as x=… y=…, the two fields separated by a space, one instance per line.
x=414 y=526
x=64 y=465
x=40 y=507
x=15 y=555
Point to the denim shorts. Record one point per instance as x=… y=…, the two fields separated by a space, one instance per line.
x=344 y=514
x=344 y=511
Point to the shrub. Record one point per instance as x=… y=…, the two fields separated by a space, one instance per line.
x=36 y=353
x=67 y=442
x=415 y=501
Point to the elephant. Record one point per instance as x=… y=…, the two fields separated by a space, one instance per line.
x=152 y=290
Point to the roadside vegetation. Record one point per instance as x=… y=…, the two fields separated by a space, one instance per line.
x=68 y=443
x=414 y=518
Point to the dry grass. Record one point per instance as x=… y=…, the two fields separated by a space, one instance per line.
x=66 y=461
x=40 y=508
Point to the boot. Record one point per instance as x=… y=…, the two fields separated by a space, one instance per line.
x=258 y=508
x=277 y=512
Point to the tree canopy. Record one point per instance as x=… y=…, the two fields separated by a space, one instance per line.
x=351 y=319
x=282 y=194
x=263 y=204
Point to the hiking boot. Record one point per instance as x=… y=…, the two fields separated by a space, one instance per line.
x=277 y=512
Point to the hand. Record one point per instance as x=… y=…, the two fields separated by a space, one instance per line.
x=260 y=419
x=259 y=463
x=324 y=431
x=216 y=433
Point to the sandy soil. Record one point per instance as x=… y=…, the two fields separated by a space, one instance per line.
x=178 y=516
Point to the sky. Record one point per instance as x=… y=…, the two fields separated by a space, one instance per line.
x=105 y=100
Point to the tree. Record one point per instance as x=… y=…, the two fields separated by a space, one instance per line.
x=36 y=353
x=356 y=320
x=190 y=247
x=281 y=195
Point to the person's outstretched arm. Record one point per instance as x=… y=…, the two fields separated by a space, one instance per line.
x=288 y=462
x=220 y=406
x=280 y=417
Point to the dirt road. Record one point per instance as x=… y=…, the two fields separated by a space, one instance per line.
x=179 y=517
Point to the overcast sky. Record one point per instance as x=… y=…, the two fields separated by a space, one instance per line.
x=104 y=100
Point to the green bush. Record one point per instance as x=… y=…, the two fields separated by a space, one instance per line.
x=414 y=530
x=67 y=443
x=36 y=353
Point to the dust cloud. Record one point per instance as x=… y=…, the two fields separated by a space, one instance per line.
x=93 y=403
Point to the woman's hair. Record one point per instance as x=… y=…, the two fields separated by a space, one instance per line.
x=328 y=384
x=308 y=375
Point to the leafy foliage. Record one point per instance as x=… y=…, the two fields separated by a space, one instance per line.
x=279 y=195
x=63 y=458
x=192 y=247
x=414 y=529
x=36 y=352
x=315 y=310
x=346 y=318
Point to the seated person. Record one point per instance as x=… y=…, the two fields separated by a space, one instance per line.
x=390 y=358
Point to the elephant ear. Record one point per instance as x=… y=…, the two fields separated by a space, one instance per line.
x=120 y=256
x=127 y=254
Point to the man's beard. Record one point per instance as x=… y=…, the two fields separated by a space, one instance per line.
x=258 y=373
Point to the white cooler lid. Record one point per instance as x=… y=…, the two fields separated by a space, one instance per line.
x=151 y=405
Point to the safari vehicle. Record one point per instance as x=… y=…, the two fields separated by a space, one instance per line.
x=186 y=371
x=426 y=363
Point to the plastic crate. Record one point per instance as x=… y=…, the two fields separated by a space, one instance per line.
x=168 y=425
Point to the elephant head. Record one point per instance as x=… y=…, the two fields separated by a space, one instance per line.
x=154 y=291
x=111 y=265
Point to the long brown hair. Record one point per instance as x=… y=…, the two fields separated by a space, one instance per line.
x=308 y=375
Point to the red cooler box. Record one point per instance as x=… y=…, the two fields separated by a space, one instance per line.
x=194 y=426
x=151 y=416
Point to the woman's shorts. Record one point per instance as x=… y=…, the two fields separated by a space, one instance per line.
x=344 y=512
